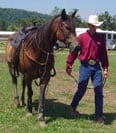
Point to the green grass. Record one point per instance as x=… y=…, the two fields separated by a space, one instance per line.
x=2 y=44
x=58 y=97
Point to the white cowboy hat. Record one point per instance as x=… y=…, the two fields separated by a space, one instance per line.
x=93 y=19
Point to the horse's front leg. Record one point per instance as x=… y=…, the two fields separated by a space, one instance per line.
x=43 y=84
x=16 y=95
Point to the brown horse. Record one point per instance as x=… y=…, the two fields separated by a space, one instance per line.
x=36 y=57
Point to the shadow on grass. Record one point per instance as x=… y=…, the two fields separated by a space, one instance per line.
x=54 y=110
x=110 y=117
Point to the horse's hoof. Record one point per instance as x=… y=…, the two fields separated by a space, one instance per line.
x=17 y=102
x=23 y=104
x=17 y=105
x=42 y=124
x=29 y=114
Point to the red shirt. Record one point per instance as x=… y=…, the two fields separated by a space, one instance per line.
x=92 y=47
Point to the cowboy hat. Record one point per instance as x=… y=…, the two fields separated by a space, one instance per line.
x=93 y=19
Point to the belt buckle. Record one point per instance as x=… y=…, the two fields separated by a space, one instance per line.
x=91 y=62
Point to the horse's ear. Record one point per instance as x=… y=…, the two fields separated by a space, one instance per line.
x=73 y=13
x=63 y=14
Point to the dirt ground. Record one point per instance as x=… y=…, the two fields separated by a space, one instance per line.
x=67 y=84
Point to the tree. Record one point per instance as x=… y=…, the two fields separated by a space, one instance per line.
x=55 y=11
x=3 y=25
x=77 y=20
x=114 y=22
x=109 y=21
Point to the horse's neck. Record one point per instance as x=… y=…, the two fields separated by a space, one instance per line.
x=47 y=38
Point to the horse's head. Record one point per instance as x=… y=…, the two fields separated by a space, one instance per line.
x=64 y=28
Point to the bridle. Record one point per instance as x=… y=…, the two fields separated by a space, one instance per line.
x=65 y=30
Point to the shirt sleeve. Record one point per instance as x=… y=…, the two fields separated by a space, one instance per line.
x=70 y=60
x=104 y=56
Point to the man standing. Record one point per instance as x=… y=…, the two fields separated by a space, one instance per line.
x=92 y=56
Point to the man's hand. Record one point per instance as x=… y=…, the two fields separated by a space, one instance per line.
x=68 y=70
x=105 y=73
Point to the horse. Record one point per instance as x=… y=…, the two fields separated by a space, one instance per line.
x=36 y=58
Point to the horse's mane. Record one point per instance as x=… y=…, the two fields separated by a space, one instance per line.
x=41 y=34
x=45 y=29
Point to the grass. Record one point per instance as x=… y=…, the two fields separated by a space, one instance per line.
x=58 y=97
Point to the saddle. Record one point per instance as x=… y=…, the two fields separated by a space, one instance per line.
x=16 y=42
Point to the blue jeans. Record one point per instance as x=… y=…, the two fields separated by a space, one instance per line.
x=94 y=72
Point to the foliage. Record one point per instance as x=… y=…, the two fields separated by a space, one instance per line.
x=3 y=24
x=109 y=21
x=16 y=18
x=56 y=11
x=77 y=20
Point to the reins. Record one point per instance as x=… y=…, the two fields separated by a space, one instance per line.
x=73 y=78
x=103 y=80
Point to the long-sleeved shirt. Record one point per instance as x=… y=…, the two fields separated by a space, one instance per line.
x=92 y=47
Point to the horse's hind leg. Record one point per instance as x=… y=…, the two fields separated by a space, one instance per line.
x=9 y=59
x=29 y=99
x=16 y=95
x=23 y=91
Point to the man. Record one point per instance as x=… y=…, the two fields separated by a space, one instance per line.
x=92 y=56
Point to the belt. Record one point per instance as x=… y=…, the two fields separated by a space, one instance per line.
x=90 y=62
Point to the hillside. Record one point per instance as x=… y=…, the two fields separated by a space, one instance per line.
x=10 y=15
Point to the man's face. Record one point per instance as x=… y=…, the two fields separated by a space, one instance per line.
x=92 y=28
